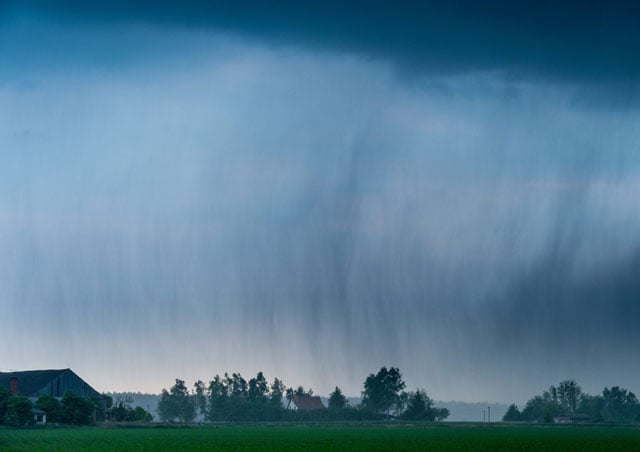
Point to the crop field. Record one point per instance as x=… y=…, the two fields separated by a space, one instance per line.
x=306 y=438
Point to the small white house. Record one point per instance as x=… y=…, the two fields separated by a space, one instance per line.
x=39 y=416
x=572 y=419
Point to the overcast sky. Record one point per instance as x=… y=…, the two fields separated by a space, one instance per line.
x=317 y=191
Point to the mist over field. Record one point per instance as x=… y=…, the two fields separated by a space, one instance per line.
x=189 y=190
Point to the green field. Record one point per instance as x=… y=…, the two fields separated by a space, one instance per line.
x=308 y=438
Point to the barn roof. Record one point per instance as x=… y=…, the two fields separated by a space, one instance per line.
x=32 y=383
x=308 y=403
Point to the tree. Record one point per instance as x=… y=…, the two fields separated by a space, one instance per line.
x=76 y=409
x=122 y=412
x=592 y=406
x=103 y=405
x=301 y=392
x=237 y=384
x=141 y=415
x=567 y=395
x=620 y=405
x=420 y=408
x=381 y=392
x=52 y=407
x=258 y=389
x=614 y=405
x=218 y=396
x=186 y=408
x=166 y=407
x=4 y=398
x=237 y=405
x=541 y=408
x=19 y=412
x=440 y=414
x=277 y=393
x=337 y=399
x=108 y=401
x=177 y=403
x=513 y=414
x=200 y=397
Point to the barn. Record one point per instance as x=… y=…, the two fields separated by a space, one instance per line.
x=307 y=403
x=53 y=382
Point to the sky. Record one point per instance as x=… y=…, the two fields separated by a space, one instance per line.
x=318 y=190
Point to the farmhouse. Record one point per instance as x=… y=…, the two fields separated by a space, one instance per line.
x=53 y=382
x=572 y=419
x=39 y=416
x=307 y=403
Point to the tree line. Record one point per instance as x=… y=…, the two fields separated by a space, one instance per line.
x=614 y=404
x=232 y=398
x=17 y=410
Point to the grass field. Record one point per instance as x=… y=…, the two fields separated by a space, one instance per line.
x=308 y=438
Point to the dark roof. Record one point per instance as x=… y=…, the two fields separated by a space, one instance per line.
x=308 y=403
x=32 y=383
x=579 y=417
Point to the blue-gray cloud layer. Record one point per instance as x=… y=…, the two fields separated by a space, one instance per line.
x=185 y=191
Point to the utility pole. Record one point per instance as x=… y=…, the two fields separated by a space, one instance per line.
x=484 y=418
x=489 y=413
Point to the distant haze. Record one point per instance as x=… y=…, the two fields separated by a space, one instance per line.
x=191 y=190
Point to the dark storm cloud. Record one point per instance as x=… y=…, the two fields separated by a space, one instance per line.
x=592 y=42
x=302 y=212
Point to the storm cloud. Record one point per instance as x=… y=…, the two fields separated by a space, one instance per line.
x=565 y=40
x=318 y=191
